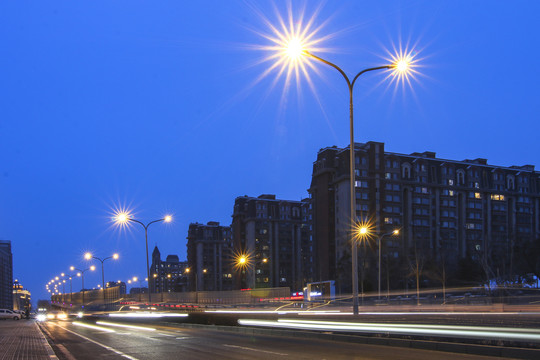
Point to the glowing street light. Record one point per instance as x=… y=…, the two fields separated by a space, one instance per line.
x=81 y=274
x=296 y=50
x=123 y=218
x=379 y=239
x=89 y=256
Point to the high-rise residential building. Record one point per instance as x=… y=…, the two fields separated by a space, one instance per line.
x=6 y=275
x=209 y=253
x=167 y=275
x=275 y=236
x=467 y=215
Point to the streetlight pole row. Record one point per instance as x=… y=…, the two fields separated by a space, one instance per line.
x=354 y=248
x=123 y=218
x=89 y=256
x=295 y=49
x=81 y=274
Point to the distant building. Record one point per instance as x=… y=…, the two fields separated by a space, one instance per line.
x=169 y=275
x=275 y=235
x=209 y=250
x=465 y=215
x=6 y=275
x=120 y=284
x=21 y=297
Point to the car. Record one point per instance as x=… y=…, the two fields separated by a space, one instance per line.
x=56 y=315
x=9 y=314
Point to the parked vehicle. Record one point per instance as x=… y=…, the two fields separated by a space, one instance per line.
x=8 y=314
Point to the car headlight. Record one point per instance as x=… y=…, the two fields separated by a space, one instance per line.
x=61 y=316
x=41 y=317
x=50 y=316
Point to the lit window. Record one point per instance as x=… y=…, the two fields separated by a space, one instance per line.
x=450 y=182
x=497 y=197
x=450 y=192
x=387 y=220
x=477 y=195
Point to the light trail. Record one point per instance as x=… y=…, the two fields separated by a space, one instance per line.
x=478 y=332
x=126 y=326
x=147 y=315
x=76 y=323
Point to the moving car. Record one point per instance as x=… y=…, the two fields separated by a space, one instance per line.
x=8 y=314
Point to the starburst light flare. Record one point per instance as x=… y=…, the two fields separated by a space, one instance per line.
x=290 y=37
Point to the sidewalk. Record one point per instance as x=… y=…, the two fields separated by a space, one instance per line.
x=23 y=340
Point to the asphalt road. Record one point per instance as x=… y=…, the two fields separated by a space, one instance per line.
x=72 y=341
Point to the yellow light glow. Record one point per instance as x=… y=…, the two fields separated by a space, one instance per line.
x=167 y=218
x=62 y=274
x=115 y=256
x=264 y=260
x=363 y=231
x=404 y=65
x=242 y=260
x=88 y=256
x=135 y=278
x=121 y=218
x=290 y=38
x=72 y=268
x=56 y=278
x=92 y=268
x=396 y=232
x=295 y=48
x=78 y=274
x=187 y=270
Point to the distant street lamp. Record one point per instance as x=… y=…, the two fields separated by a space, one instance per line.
x=379 y=239
x=81 y=274
x=124 y=218
x=295 y=49
x=89 y=256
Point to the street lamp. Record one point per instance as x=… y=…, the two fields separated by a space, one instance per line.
x=379 y=239
x=89 y=256
x=81 y=274
x=295 y=49
x=124 y=218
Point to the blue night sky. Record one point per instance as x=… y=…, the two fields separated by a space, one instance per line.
x=160 y=107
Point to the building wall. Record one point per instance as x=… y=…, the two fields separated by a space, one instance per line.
x=6 y=275
x=444 y=208
x=276 y=237
x=210 y=257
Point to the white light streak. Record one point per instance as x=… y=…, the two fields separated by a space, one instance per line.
x=147 y=315
x=125 y=326
x=76 y=323
x=482 y=332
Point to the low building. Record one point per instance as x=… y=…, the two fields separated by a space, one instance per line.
x=21 y=297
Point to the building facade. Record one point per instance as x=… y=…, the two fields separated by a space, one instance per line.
x=275 y=236
x=461 y=214
x=168 y=275
x=21 y=297
x=209 y=252
x=6 y=275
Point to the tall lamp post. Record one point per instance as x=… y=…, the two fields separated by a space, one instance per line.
x=295 y=50
x=81 y=274
x=124 y=218
x=89 y=256
x=379 y=239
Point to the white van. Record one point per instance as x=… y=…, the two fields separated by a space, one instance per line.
x=8 y=314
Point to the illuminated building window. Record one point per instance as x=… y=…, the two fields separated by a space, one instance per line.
x=497 y=197
x=477 y=195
